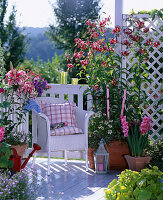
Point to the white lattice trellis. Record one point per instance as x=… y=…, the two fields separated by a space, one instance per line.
x=153 y=89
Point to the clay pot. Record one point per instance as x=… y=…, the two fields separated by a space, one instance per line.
x=20 y=149
x=117 y=150
x=137 y=163
x=91 y=157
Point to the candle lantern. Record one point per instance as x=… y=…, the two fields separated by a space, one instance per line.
x=63 y=78
x=101 y=157
x=74 y=81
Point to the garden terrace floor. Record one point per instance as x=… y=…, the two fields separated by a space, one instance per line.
x=69 y=182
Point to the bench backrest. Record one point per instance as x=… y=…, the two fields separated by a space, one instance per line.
x=59 y=93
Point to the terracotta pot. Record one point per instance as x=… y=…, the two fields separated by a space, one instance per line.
x=91 y=157
x=137 y=163
x=20 y=149
x=117 y=150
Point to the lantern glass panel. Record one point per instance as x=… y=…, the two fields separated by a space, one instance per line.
x=100 y=162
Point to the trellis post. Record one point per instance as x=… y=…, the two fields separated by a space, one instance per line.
x=118 y=12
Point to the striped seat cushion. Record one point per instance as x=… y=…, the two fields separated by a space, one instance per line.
x=66 y=130
x=60 y=113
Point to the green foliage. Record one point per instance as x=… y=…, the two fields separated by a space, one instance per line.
x=18 y=186
x=2 y=63
x=49 y=70
x=5 y=153
x=13 y=99
x=132 y=185
x=137 y=141
x=11 y=37
x=158 y=13
x=99 y=128
x=71 y=16
x=156 y=152
x=18 y=138
x=153 y=13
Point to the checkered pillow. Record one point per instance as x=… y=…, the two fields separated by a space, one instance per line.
x=66 y=130
x=60 y=113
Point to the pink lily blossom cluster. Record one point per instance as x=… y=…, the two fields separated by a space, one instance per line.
x=92 y=44
x=133 y=37
x=21 y=81
x=146 y=125
x=125 y=126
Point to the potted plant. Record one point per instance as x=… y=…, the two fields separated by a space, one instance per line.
x=20 y=88
x=99 y=63
x=18 y=140
x=137 y=137
x=100 y=127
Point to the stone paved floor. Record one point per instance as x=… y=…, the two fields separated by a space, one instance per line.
x=69 y=182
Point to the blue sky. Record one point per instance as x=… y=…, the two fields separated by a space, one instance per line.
x=38 y=13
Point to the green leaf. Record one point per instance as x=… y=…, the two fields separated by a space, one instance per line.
x=6 y=104
x=144 y=194
x=113 y=183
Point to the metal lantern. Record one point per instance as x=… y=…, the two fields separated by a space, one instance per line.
x=101 y=157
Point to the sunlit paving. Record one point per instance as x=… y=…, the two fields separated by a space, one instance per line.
x=68 y=182
x=81 y=100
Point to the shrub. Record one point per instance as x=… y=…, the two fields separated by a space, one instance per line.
x=17 y=186
x=156 y=152
x=132 y=185
x=100 y=127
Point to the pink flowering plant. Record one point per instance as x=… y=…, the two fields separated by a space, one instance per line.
x=137 y=44
x=99 y=64
x=20 y=87
x=136 y=134
x=19 y=90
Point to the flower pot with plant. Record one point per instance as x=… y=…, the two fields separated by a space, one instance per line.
x=99 y=63
x=101 y=127
x=18 y=140
x=137 y=137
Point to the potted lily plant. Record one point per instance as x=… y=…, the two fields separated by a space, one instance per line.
x=18 y=88
x=99 y=64
x=137 y=135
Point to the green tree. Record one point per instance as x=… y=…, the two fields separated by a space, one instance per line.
x=71 y=16
x=12 y=39
x=2 y=69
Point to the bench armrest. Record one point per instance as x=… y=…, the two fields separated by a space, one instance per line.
x=82 y=118
x=40 y=129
